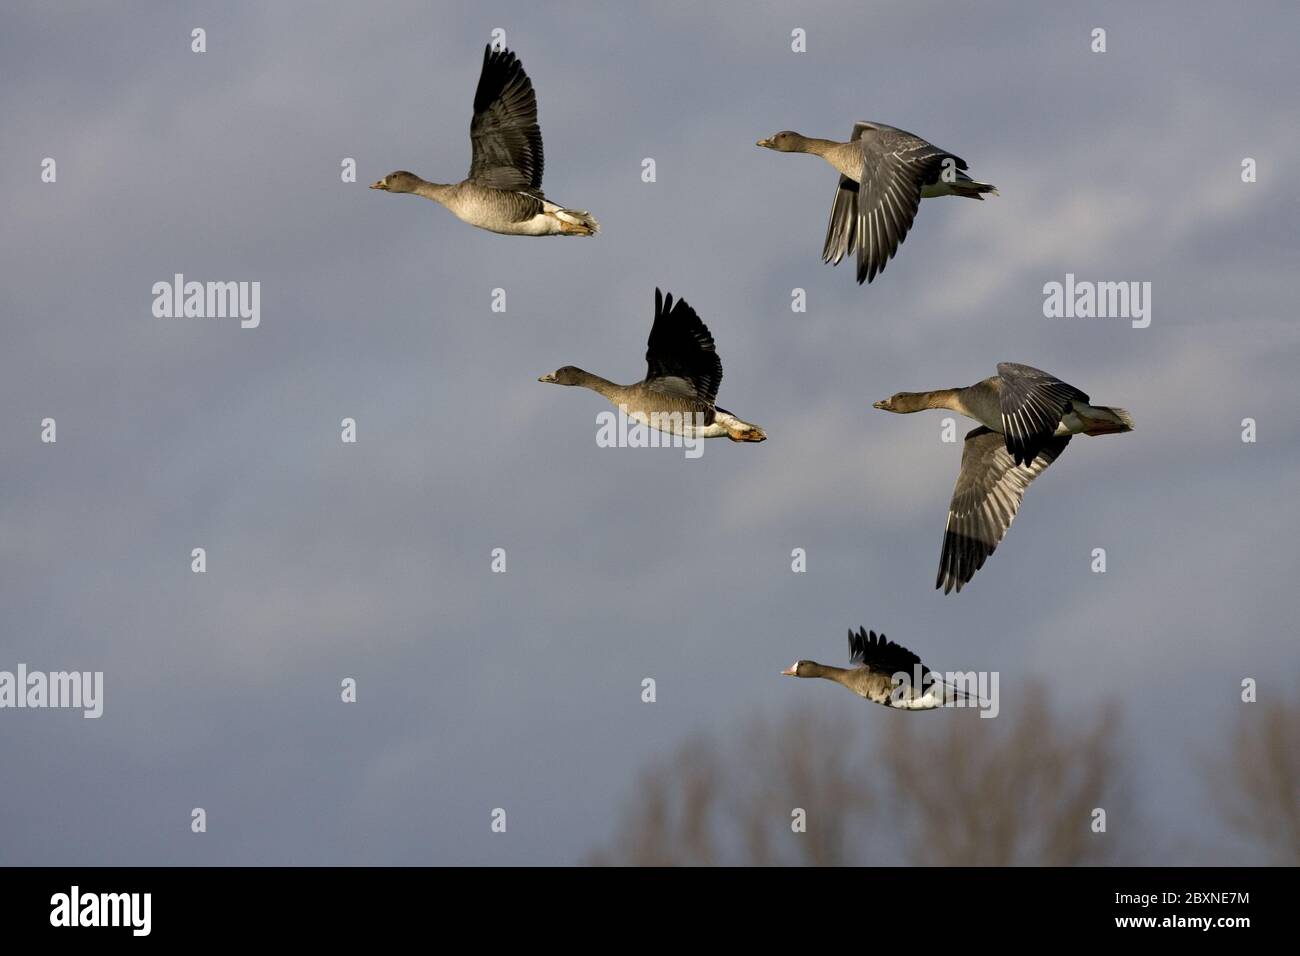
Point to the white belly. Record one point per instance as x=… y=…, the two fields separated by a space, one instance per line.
x=679 y=425
x=928 y=701
x=710 y=431
x=543 y=224
x=539 y=225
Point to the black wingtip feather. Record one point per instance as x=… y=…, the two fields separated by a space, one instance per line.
x=504 y=67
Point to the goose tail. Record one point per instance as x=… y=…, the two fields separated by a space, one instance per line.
x=973 y=190
x=576 y=222
x=1103 y=420
x=738 y=430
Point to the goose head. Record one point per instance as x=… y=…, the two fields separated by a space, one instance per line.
x=801 y=669
x=786 y=141
x=568 y=375
x=904 y=402
x=397 y=182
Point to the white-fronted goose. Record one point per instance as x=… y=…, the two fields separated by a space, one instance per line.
x=503 y=192
x=681 y=382
x=884 y=174
x=885 y=673
x=1026 y=417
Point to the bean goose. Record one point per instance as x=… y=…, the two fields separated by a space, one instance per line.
x=1026 y=417
x=503 y=191
x=885 y=674
x=884 y=174
x=681 y=383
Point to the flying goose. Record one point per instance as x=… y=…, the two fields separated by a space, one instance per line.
x=681 y=381
x=885 y=674
x=503 y=191
x=885 y=172
x=1026 y=417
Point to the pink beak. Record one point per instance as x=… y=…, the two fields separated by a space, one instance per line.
x=789 y=671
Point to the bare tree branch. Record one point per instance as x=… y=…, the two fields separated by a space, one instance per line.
x=975 y=792
x=1256 y=783
x=954 y=788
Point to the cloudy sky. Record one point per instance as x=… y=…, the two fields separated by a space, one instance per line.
x=372 y=561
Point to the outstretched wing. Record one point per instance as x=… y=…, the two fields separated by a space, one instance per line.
x=882 y=656
x=680 y=358
x=504 y=135
x=1032 y=404
x=989 y=490
x=896 y=165
x=842 y=230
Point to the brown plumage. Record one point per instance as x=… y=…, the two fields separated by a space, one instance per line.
x=886 y=673
x=885 y=172
x=682 y=378
x=1026 y=417
x=503 y=191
